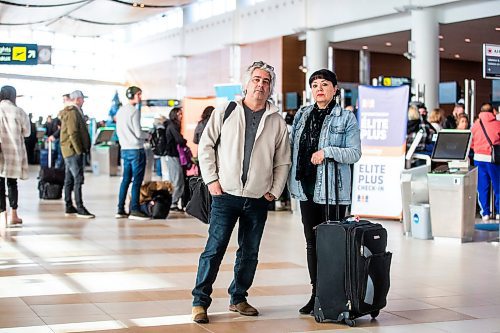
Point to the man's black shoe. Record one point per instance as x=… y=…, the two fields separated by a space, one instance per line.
x=138 y=215
x=84 y=213
x=70 y=211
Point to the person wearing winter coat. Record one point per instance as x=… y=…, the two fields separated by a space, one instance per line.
x=14 y=127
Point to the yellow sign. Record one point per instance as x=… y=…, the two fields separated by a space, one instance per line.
x=19 y=53
x=387 y=81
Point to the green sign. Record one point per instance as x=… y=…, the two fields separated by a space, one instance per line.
x=18 y=54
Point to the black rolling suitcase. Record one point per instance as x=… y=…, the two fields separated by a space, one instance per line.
x=51 y=180
x=353 y=267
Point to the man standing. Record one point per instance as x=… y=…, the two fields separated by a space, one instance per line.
x=254 y=137
x=131 y=137
x=75 y=142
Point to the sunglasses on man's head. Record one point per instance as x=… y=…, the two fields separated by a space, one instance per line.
x=261 y=64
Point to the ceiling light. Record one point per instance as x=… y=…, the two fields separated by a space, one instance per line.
x=134 y=4
x=441 y=49
x=388 y=44
x=142 y=5
x=441 y=37
x=497 y=28
x=467 y=40
x=457 y=55
x=364 y=47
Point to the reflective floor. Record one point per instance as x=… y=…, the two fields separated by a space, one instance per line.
x=61 y=274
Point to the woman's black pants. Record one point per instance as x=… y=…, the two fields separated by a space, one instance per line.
x=312 y=215
x=12 y=187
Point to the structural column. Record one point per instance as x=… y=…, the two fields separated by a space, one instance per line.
x=424 y=53
x=316 y=54
x=364 y=67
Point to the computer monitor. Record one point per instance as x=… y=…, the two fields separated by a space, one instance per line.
x=452 y=145
x=104 y=134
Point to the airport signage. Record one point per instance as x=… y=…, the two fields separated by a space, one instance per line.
x=161 y=102
x=491 y=61
x=18 y=54
x=382 y=119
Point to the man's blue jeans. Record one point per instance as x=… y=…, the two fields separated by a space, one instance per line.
x=226 y=209
x=73 y=179
x=134 y=166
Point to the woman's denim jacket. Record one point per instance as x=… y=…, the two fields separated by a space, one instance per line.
x=340 y=140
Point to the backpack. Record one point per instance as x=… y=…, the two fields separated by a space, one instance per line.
x=159 y=206
x=159 y=141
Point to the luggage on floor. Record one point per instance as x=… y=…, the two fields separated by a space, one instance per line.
x=51 y=180
x=159 y=206
x=353 y=267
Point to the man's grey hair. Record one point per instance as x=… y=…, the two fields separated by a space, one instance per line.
x=265 y=67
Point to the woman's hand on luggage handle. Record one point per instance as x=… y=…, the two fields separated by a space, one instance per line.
x=318 y=157
x=214 y=188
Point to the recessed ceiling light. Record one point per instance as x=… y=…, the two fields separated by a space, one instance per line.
x=364 y=47
x=441 y=49
x=467 y=40
x=441 y=37
x=457 y=55
x=388 y=44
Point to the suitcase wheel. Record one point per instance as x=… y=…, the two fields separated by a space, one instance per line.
x=350 y=322
x=375 y=314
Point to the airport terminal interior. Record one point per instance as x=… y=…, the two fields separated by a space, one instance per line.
x=105 y=274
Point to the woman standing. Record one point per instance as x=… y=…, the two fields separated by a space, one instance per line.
x=170 y=164
x=323 y=130
x=14 y=127
x=202 y=123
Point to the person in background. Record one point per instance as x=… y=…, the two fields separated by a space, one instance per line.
x=246 y=171
x=436 y=119
x=55 y=137
x=452 y=119
x=311 y=142
x=463 y=122
x=422 y=109
x=14 y=128
x=75 y=142
x=171 y=168
x=414 y=125
x=488 y=172
x=131 y=137
x=202 y=123
x=31 y=141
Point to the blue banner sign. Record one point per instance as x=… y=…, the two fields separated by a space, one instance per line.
x=18 y=54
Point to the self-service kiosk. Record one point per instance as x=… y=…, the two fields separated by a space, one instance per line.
x=452 y=187
x=105 y=152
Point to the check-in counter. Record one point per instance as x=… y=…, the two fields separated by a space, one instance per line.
x=452 y=198
x=104 y=153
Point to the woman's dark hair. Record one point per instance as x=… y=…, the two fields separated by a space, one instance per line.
x=207 y=112
x=323 y=74
x=8 y=92
x=174 y=117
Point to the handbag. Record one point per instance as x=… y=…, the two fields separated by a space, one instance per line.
x=201 y=200
x=495 y=149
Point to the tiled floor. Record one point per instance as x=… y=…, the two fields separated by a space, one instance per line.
x=62 y=274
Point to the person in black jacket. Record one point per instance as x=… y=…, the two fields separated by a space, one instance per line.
x=202 y=123
x=170 y=164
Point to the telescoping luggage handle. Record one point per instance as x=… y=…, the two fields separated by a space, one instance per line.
x=327 y=206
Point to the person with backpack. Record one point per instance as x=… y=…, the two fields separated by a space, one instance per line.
x=171 y=168
x=131 y=138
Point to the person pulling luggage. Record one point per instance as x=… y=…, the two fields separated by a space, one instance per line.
x=319 y=131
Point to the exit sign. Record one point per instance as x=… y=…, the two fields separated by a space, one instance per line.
x=18 y=54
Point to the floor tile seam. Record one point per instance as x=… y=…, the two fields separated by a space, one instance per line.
x=447 y=309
